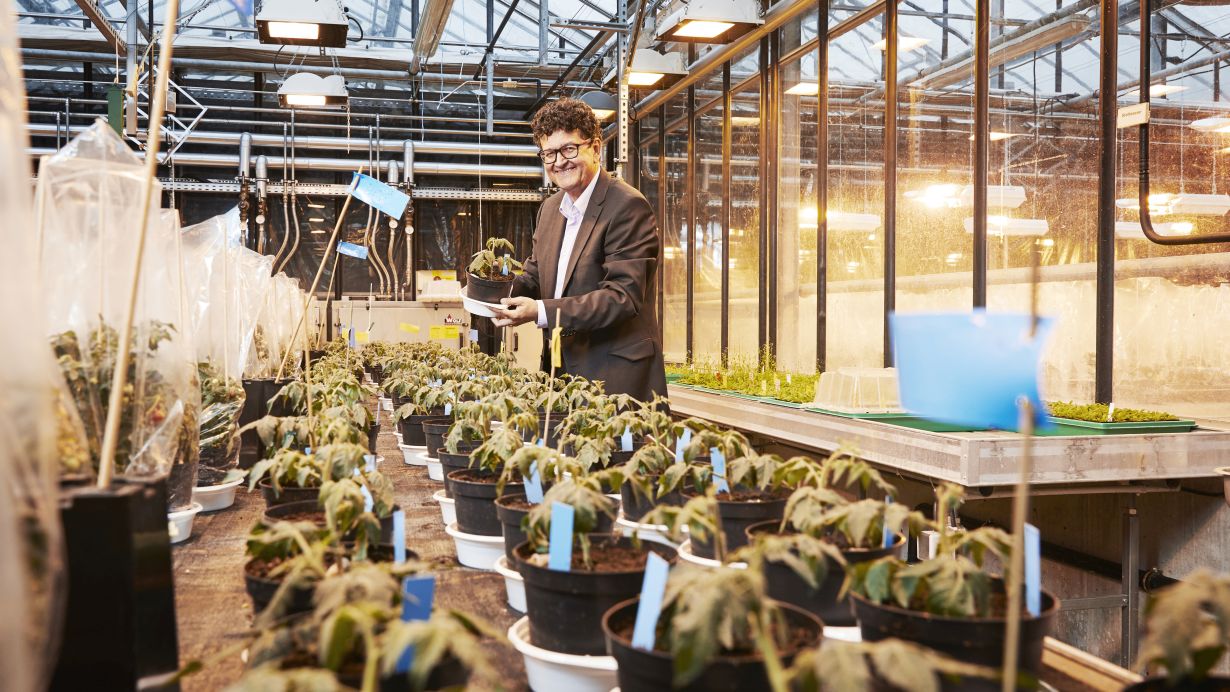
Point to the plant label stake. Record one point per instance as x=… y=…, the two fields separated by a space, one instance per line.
x=653 y=591
x=1033 y=570
x=888 y=531
x=682 y=442
x=399 y=537
x=533 y=485
x=369 y=462
x=625 y=440
x=448 y=408
x=559 y=557
x=368 y=502
x=417 y=594
x=719 y=470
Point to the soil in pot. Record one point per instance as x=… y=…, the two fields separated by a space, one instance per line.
x=273 y=498
x=973 y=640
x=448 y=674
x=783 y=584
x=434 y=432
x=734 y=671
x=454 y=462
x=474 y=494
x=311 y=511
x=411 y=427
x=737 y=511
x=261 y=587
x=566 y=608
x=487 y=290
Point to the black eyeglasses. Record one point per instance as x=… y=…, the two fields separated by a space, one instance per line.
x=568 y=151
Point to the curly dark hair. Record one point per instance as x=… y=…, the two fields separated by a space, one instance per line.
x=567 y=114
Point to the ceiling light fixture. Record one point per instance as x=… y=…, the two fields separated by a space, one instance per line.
x=1156 y=91
x=1015 y=47
x=316 y=219
x=1131 y=230
x=307 y=90
x=602 y=103
x=1219 y=124
x=302 y=23
x=651 y=69
x=839 y=220
x=952 y=196
x=709 y=21
x=804 y=89
x=905 y=44
x=1005 y=226
x=997 y=135
x=1163 y=203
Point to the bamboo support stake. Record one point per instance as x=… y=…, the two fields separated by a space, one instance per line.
x=119 y=380
x=1020 y=505
x=554 y=345
x=307 y=301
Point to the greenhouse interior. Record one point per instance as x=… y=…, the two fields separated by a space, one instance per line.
x=592 y=345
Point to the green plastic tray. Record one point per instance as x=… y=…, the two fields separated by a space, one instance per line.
x=905 y=420
x=1068 y=427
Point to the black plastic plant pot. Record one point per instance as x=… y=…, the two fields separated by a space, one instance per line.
x=454 y=462
x=736 y=516
x=474 y=494
x=119 y=615
x=487 y=291
x=262 y=590
x=411 y=428
x=434 y=432
x=653 y=671
x=373 y=434
x=449 y=674
x=566 y=608
x=253 y=409
x=979 y=641
x=312 y=511
x=510 y=511
x=1210 y=684
x=274 y=498
x=181 y=480
x=635 y=506
x=784 y=584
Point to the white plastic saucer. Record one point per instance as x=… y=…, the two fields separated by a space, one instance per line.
x=448 y=507
x=477 y=307
x=179 y=524
x=479 y=552
x=645 y=532
x=513 y=584
x=435 y=469
x=844 y=634
x=215 y=497
x=551 y=670
x=413 y=456
x=685 y=554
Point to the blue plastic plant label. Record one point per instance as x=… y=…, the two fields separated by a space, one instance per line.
x=504 y=266
x=719 y=470
x=417 y=594
x=969 y=368
x=367 y=498
x=533 y=486
x=350 y=338
x=399 y=537
x=352 y=250
x=448 y=408
x=625 y=440
x=888 y=531
x=682 y=442
x=653 y=591
x=387 y=199
x=474 y=337
x=559 y=555
x=369 y=462
x=1033 y=570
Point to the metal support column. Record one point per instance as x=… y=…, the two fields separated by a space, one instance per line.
x=982 y=136
x=1130 y=549
x=822 y=188
x=621 y=115
x=544 y=30
x=1108 y=112
x=727 y=101
x=770 y=49
x=890 y=173
x=689 y=194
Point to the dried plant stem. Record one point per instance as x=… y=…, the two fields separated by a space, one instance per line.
x=153 y=140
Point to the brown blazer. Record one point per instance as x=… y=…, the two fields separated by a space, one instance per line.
x=609 y=309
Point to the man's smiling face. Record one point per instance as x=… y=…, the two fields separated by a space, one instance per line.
x=571 y=175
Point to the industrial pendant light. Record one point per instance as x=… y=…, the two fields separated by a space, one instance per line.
x=302 y=23
x=307 y=90
x=1162 y=203
x=1006 y=225
x=709 y=21
x=652 y=70
x=952 y=196
x=602 y=103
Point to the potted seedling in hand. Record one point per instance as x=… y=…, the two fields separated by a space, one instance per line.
x=490 y=274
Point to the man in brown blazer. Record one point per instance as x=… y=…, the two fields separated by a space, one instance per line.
x=594 y=260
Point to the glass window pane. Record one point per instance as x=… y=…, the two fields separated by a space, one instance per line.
x=796 y=219
x=674 y=251
x=707 y=300
x=745 y=174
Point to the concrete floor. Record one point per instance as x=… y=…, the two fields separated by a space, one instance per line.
x=215 y=613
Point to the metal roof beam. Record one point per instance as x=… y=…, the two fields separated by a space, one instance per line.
x=99 y=20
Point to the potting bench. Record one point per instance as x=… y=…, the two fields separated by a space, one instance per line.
x=987 y=464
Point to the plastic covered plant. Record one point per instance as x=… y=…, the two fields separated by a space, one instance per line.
x=494 y=262
x=1187 y=629
x=221 y=401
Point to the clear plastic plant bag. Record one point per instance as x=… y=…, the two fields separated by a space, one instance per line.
x=88 y=216
x=32 y=568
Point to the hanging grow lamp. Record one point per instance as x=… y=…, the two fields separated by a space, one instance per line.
x=307 y=90
x=839 y=220
x=952 y=196
x=1006 y=226
x=302 y=23
x=1131 y=230
x=1164 y=203
x=905 y=44
x=804 y=89
x=1219 y=124
x=652 y=70
x=601 y=103
x=709 y=21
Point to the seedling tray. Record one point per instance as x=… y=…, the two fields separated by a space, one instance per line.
x=1069 y=426
x=905 y=420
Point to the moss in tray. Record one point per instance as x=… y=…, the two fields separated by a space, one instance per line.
x=1097 y=413
x=746 y=376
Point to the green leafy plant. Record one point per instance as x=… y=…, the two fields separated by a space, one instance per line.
x=900 y=664
x=1187 y=628
x=586 y=498
x=295 y=554
x=222 y=399
x=1100 y=413
x=494 y=262
x=447 y=634
x=696 y=519
x=758 y=377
